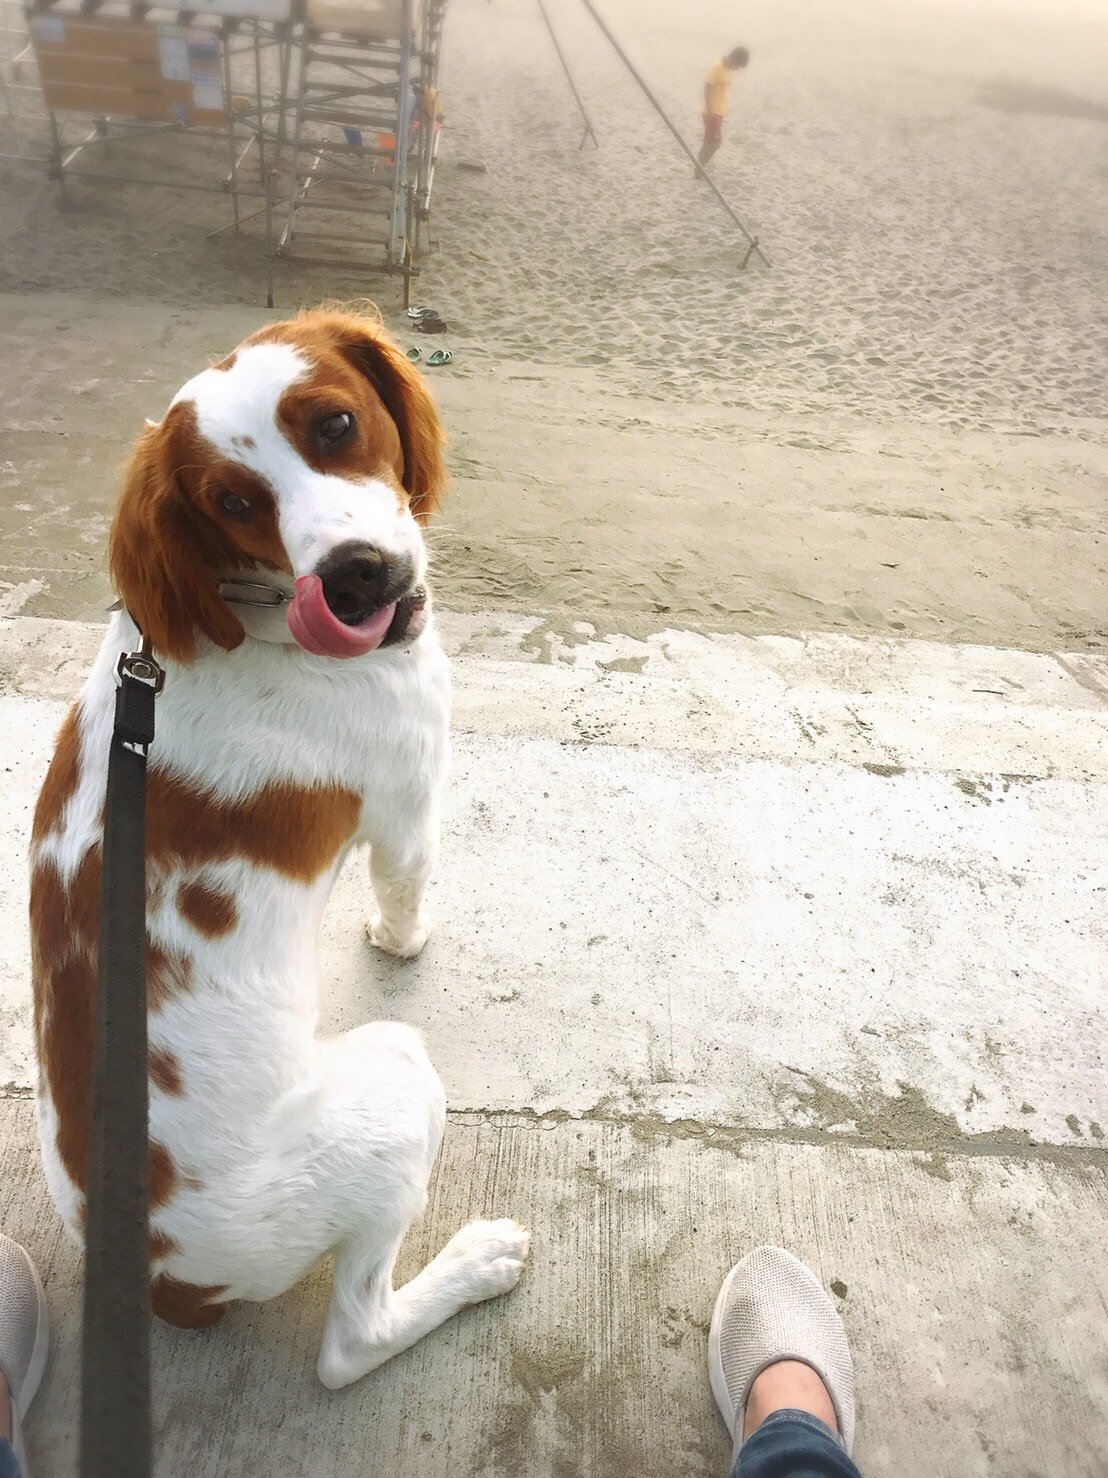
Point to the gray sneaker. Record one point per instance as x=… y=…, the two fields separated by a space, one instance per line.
x=772 y=1308
x=24 y=1332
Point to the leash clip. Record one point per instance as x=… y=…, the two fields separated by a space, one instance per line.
x=139 y=680
x=142 y=666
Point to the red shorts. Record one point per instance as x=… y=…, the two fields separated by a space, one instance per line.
x=713 y=128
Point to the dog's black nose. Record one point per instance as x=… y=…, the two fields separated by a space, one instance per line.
x=360 y=578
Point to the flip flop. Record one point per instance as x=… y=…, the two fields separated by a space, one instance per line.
x=440 y=356
x=422 y=313
x=415 y=354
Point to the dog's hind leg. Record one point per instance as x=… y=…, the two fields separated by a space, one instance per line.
x=370 y=1321
x=378 y=1137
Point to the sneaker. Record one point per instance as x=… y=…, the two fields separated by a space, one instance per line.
x=24 y=1333
x=772 y=1308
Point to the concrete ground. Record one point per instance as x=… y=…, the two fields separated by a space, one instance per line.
x=769 y=939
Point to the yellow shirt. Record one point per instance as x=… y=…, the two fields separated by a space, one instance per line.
x=718 y=81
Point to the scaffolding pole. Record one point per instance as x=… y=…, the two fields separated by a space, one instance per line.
x=590 y=132
x=753 y=247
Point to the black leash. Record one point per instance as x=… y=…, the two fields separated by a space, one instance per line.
x=115 y=1353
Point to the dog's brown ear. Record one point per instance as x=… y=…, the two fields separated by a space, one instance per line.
x=404 y=393
x=164 y=555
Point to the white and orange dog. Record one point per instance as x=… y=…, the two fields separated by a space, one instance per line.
x=268 y=543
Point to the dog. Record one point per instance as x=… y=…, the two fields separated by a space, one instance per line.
x=268 y=543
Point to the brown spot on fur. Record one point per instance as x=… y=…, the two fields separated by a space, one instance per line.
x=371 y=449
x=295 y=829
x=171 y=540
x=186 y=1305
x=65 y=918
x=161 y=1245
x=61 y=778
x=249 y=443
x=84 y=901
x=167 y=975
x=48 y=931
x=65 y=931
x=337 y=343
x=65 y=1049
x=165 y=1071
x=65 y=937
x=209 y=910
x=163 y=1175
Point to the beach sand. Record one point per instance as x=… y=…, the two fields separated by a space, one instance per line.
x=898 y=428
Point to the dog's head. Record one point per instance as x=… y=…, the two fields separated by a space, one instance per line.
x=313 y=450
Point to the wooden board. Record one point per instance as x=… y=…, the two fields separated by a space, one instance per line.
x=117 y=68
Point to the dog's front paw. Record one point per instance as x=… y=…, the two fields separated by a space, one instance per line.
x=402 y=946
x=488 y=1257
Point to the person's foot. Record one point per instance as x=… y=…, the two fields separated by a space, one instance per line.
x=24 y=1339
x=777 y=1342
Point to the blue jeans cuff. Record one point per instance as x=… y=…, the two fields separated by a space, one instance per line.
x=9 y=1465
x=793 y=1444
x=802 y=1419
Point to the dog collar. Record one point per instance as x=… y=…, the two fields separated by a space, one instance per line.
x=263 y=616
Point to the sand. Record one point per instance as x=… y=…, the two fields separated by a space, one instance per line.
x=899 y=428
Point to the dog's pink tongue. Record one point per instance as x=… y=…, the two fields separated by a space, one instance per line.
x=316 y=627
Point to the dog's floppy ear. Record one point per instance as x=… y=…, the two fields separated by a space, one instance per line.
x=405 y=395
x=164 y=555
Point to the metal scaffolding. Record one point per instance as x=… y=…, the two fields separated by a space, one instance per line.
x=117 y=75
x=365 y=132
x=346 y=161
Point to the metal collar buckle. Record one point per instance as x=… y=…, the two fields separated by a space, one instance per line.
x=271 y=597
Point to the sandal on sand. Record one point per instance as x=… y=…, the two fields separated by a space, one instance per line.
x=440 y=356
x=415 y=354
x=24 y=1333
x=772 y=1308
x=422 y=313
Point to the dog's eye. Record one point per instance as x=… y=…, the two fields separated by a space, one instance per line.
x=234 y=506
x=333 y=428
